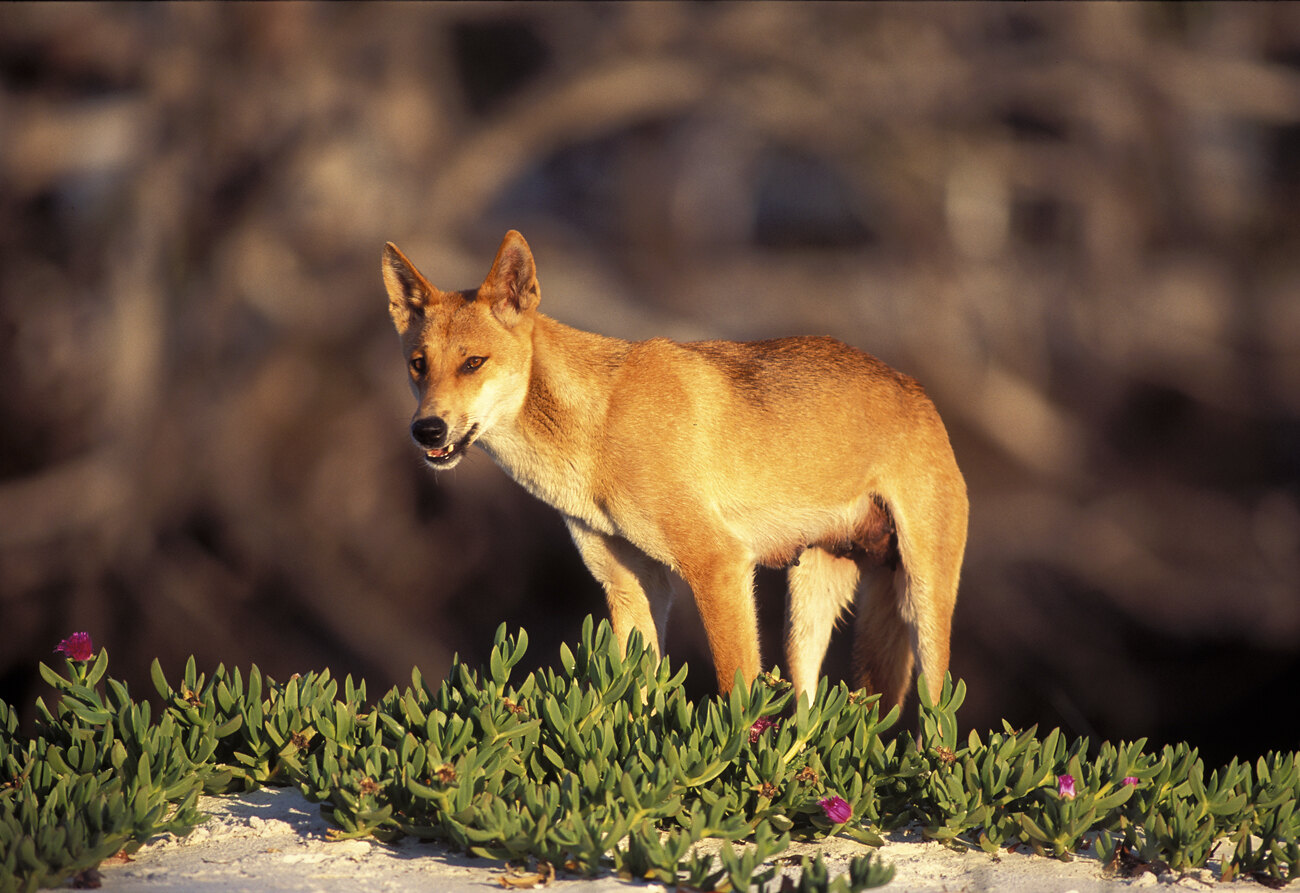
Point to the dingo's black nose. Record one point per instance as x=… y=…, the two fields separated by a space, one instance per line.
x=429 y=433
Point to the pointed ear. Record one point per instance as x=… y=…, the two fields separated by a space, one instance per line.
x=512 y=285
x=409 y=293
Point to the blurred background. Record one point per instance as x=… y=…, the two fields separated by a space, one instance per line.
x=1076 y=224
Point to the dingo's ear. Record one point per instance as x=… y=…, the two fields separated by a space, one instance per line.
x=512 y=285
x=409 y=293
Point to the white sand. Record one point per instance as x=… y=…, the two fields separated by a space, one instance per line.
x=274 y=840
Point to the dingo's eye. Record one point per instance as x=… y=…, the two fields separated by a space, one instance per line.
x=418 y=365
x=472 y=364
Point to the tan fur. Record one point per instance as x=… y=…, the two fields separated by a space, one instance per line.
x=686 y=465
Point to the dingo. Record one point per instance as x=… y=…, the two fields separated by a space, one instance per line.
x=693 y=463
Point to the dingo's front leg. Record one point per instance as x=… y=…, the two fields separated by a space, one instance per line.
x=724 y=594
x=638 y=589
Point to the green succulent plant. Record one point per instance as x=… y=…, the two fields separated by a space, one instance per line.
x=603 y=764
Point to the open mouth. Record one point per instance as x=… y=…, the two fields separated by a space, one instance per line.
x=449 y=455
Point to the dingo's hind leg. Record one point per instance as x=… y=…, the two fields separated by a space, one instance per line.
x=821 y=587
x=882 y=640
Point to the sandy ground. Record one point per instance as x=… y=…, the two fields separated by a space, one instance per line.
x=274 y=840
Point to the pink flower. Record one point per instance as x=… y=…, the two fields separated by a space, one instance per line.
x=836 y=809
x=1065 y=784
x=77 y=647
x=1131 y=779
x=761 y=725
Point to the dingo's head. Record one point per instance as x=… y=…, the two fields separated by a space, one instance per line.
x=468 y=352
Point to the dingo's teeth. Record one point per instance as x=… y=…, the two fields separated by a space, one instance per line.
x=444 y=456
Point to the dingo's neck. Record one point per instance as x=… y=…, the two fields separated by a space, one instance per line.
x=548 y=447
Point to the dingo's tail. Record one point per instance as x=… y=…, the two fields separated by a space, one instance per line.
x=906 y=611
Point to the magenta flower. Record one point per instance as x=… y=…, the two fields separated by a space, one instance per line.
x=77 y=646
x=836 y=809
x=761 y=725
x=1130 y=779
x=1065 y=784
